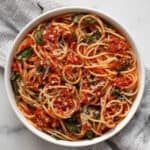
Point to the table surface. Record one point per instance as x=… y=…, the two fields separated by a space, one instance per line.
x=134 y=15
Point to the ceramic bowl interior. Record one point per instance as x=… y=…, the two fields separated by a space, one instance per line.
x=10 y=93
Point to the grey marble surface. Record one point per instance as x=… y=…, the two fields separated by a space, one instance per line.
x=135 y=16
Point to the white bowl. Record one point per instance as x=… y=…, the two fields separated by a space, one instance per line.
x=10 y=93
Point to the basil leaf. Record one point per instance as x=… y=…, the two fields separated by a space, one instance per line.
x=89 y=134
x=84 y=40
x=89 y=20
x=123 y=66
x=41 y=69
x=72 y=127
x=86 y=109
x=24 y=54
x=97 y=34
x=116 y=93
x=96 y=114
x=77 y=86
x=72 y=120
x=62 y=79
x=91 y=39
x=55 y=137
x=15 y=87
x=76 y=19
x=107 y=25
x=92 y=81
x=74 y=36
x=72 y=124
x=60 y=40
x=15 y=76
x=38 y=37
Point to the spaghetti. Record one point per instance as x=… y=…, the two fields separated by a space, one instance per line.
x=74 y=76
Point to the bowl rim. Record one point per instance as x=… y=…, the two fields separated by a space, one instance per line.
x=45 y=136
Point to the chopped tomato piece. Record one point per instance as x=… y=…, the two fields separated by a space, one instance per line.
x=98 y=93
x=125 y=106
x=73 y=59
x=121 y=82
x=63 y=104
x=15 y=67
x=100 y=70
x=28 y=110
x=124 y=52
x=73 y=45
x=110 y=98
x=64 y=100
x=28 y=41
x=53 y=80
x=117 y=45
x=43 y=120
x=113 y=64
x=84 y=99
x=86 y=126
x=33 y=85
x=52 y=34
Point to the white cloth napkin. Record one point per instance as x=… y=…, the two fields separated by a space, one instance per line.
x=14 y=14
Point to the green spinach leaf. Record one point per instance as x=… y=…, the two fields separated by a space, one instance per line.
x=24 y=54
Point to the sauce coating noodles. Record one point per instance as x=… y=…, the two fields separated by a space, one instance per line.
x=74 y=76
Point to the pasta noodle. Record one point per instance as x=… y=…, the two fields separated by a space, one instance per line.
x=74 y=76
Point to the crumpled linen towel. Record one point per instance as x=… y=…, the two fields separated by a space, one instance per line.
x=17 y=13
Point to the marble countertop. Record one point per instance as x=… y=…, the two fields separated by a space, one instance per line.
x=134 y=15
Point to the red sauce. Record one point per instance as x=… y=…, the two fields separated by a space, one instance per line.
x=86 y=126
x=63 y=103
x=100 y=70
x=15 y=67
x=43 y=120
x=117 y=45
x=51 y=35
x=121 y=82
x=28 y=41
